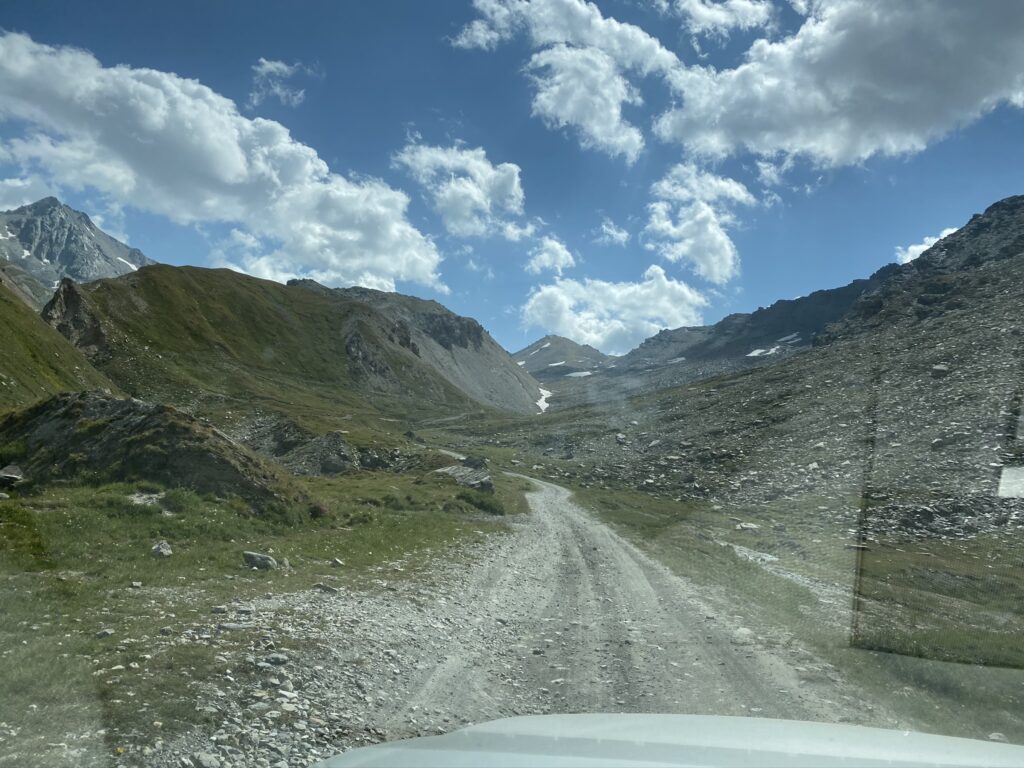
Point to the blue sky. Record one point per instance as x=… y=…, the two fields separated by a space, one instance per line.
x=734 y=152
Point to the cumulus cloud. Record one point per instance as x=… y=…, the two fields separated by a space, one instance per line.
x=550 y=254
x=169 y=145
x=687 y=220
x=905 y=254
x=859 y=78
x=582 y=88
x=719 y=17
x=468 y=192
x=270 y=79
x=580 y=70
x=614 y=317
x=609 y=233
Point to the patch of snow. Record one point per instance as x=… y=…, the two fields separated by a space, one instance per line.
x=521 y=362
x=55 y=284
x=552 y=365
x=579 y=374
x=545 y=345
x=5 y=234
x=675 y=360
x=125 y=261
x=1011 y=483
x=25 y=254
x=533 y=353
x=763 y=352
x=787 y=339
x=543 y=402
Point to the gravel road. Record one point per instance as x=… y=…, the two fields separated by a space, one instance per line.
x=561 y=615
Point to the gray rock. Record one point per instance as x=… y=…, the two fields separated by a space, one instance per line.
x=206 y=760
x=278 y=659
x=259 y=561
x=105 y=632
x=161 y=549
x=326 y=588
x=996 y=736
x=940 y=371
x=11 y=475
x=477 y=479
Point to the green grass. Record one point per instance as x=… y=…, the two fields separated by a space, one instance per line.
x=235 y=344
x=929 y=626
x=35 y=360
x=68 y=556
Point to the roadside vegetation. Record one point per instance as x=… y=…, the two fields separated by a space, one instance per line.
x=83 y=597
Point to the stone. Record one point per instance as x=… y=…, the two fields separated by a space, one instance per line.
x=217 y=609
x=105 y=632
x=747 y=527
x=206 y=760
x=161 y=549
x=277 y=659
x=337 y=562
x=742 y=636
x=940 y=371
x=326 y=588
x=11 y=475
x=136 y=585
x=259 y=561
x=996 y=736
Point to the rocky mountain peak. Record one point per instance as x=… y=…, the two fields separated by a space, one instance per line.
x=49 y=241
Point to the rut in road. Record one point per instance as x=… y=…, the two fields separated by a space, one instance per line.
x=569 y=617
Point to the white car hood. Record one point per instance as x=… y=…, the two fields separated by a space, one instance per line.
x=564 y=741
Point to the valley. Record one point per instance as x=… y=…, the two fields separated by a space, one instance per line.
x=246 y=523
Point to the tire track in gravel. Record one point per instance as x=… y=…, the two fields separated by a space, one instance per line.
x=567 y=616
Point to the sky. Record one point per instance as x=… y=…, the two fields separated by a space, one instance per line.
x=599 y=170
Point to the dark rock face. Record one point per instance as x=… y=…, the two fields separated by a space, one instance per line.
x=70 y=313
x=94 y=437
x=50 y=241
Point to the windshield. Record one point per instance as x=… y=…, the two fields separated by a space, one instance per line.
x=371 y=370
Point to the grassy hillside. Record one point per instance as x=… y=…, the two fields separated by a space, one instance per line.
x=35 y=360
x=224 y=343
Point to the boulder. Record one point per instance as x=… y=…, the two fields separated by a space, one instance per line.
x=259 y=561
x=11 y=475
x=161 y=549
x=478 y=479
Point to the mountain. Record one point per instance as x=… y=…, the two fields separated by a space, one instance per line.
x=257 y=356
x=735 y=343
x=914 y=397
x=457 y=348
x=35 y=360
x=553 y=357
x=49 y=241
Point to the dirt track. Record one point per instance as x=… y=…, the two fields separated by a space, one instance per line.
x=560 y=615
x=570 y=617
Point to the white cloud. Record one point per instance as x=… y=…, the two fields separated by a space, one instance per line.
x=168 y=145
x=614 y=317
x=550 y=254
x=468 y=191
x=609 y=233
x=580 y=71
x=515 y=232
x=686 y=183
x=16 y=192
x=719 y=17
x=859 y=78
x=270 y=79
x=909 y=253
x=582 y=88
x=687 y=220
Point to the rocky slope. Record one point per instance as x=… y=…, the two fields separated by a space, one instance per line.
x=735 y=343
x=35 y=360
x=919 y=385
x=553 y=357
x=95 y=437
x=49 y=241
x=457 y=348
